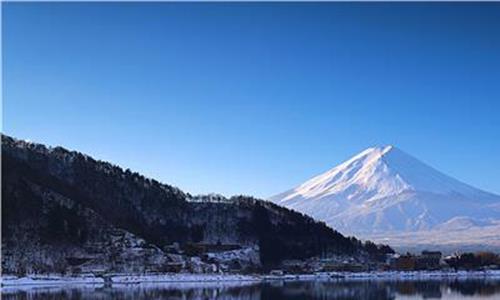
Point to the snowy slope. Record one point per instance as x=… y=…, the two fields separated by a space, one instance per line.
x=384 y=191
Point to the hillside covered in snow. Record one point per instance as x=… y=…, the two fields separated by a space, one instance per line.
x=386 y=194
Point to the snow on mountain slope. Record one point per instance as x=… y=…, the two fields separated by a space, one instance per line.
x=383 y=190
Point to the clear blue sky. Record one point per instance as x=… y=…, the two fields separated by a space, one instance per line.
x=256 y=98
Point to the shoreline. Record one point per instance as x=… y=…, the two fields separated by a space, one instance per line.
x=112 y=279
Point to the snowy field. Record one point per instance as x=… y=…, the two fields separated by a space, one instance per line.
x=55 y=280
x=123 y=279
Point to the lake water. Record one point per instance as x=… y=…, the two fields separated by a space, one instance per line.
x=453 y=289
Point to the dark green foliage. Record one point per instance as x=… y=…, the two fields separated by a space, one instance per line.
x=197 y=233
x=298 y=237
x=272 y=249
x=64 y=224
x=377 y=252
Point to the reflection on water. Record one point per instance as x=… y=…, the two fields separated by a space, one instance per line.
x=314 y=290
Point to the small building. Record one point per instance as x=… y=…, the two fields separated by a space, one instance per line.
x=295 y=266
x=428 y=260
x=343 y=267
x=198 y=249
x=404 y=263
x=276 y=272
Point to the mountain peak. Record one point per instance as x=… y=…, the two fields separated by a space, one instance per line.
x=384 y=148
x=375 y=152
x=384 y=188
x=387 y=148
x=389 y=170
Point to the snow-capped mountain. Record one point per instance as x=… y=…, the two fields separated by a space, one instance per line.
x=384 y=192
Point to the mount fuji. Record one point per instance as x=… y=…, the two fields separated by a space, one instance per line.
x=389 y=196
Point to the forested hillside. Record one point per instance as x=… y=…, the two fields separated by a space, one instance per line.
x=62 y=209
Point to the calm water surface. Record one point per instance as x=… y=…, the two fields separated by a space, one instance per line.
x=455 y=289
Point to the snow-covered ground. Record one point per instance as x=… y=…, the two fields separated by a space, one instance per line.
x=389 y=275
x=123 y=279
x=39 y=280
x=49 y=280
